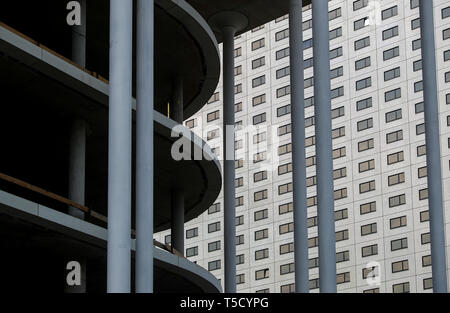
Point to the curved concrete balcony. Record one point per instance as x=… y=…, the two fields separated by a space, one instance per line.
x=52 y=90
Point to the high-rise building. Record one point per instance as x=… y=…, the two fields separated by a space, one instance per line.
x=381 y=207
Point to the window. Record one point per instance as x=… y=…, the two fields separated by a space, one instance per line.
x=421 y=150
x=415 y=23
x=364 y=104
x=359 y=4
x=213 y=116
x=335 y=53
x=423 y=194
x=283 y=72
x=283 y=53
x=426 y=260
x=237 y=89
x=369 y=250
x=366 y=166
x=286 y=228
x=418 y=86
x=338 y=132
x=261 y=215
x=260 y=195
x=239 y=240
x=339 y=153
x=420 y=129
x=414 y=4
x=337 y=32
x=341 y=235
x=238 y=52
x=399 y=244
x=257 y=44
x=285 y=149
x=342 y=256
x=307 y=25
x=258 y=62
x=337 y=72
x=368 y=229
x=385 y=14
x=214 y=265
x=307 y=63
x=334 y=14
x=364 y=83
x=367 y=208
x=340 y=173
x=394 y=136
x=397 y=200
x=215 y=97
x=260 y=176
x=445 y=12
x=261 y=254
x=287 y=288
x=446 y=55
x=391 y=53
x=283 y=91
x=258 y=138
x=397 y=222
x=416 y=44
x=282 y=34
x=401 y=288
x=309 y=82
x=267 y=290
x=396 y=179
x=365 y=145
x=259 y=157
x=258 y=119
x=366 y=187
x=213 y=227
x=390 y=32
x=395 y=158
x=286 y=248
x=284 y=189
x=309 y=102
x=239 y=220
x=362 y=43
x=214 y=246
x=446 y=34
x=373 y=290
x=391 y=74
x=262 y=274
x=424 y=216
x=287 y=268
x=425 y=238
x=259 y=100
x=261 y=234
x=285 y=208
x=427 y=283
x=258 y=81
x=191 y=233
x=313 y=242
x=343 y=278
x=238 y=107
x=215 y=208
x=192 y=252
x=337 y=92
x=284 y=110
x=365 y=124
x=362 y=63
x=285 y=169
x=238 y=70
x=393 y=115
x=314 y=284
x=392 y=94
x=240 y=279
x=361 y=23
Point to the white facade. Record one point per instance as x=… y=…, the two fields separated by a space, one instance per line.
x=379 y=202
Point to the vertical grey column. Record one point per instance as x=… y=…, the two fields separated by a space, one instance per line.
x=324 y=164
x=79 y=38
x=144 y=146
x=432 y=137
x=77 y=165
x=229 y=156
x=119 y=164
x=177 y=232
x=298 y=147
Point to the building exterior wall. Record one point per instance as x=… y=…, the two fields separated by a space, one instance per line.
x=383 y=184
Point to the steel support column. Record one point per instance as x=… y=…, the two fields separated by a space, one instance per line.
x=79 y=38
x=119 y=164
x=324 y=147
x=177 y=231
x=228 y=23
x=144 y=146
x=298 y=147
x=432 y=137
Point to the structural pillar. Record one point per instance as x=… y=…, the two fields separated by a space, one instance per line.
x=228 y=23
x=79 y=38
x=144 y=146
x=298 y=147
x=77 y=148
x=324 y=147
x=119 y=164
x=432 y=137
x=177 y=233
